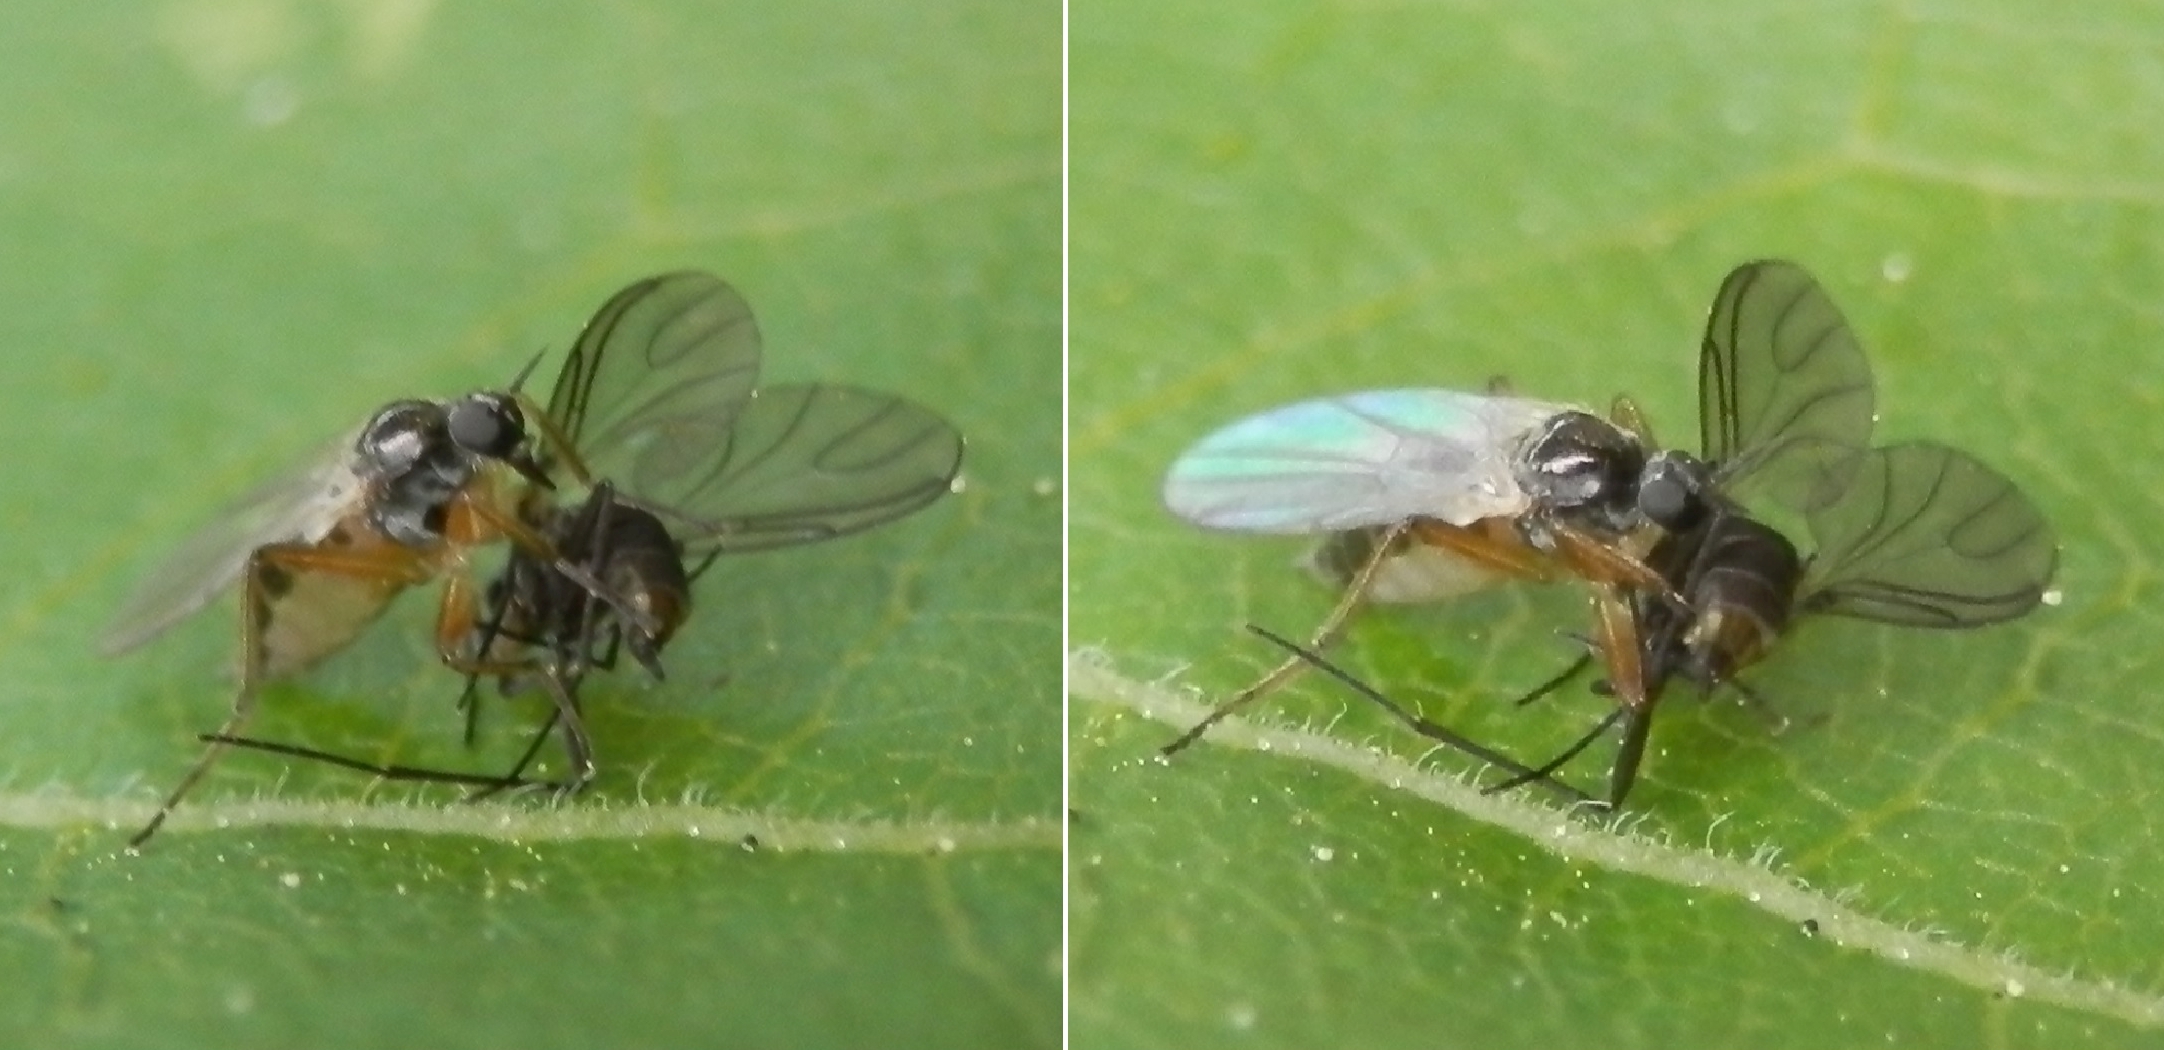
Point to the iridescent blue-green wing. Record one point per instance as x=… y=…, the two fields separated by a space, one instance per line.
x=1363 y=459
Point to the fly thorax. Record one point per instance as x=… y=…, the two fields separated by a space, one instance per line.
x=1580 y=467
x=415 y=469
x=410 y=525
x=401 y=435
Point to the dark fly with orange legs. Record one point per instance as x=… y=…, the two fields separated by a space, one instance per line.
x=659 y=398
x=1915 y=534
x=1425 y=494
x=321 y=550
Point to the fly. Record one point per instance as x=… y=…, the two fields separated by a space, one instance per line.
x=1916 y=534
x=322 y=549
x=1423 y=494
x=659 y=398
x=1922 y=536
x=530 y=604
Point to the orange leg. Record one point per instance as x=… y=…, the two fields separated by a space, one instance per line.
x=1325 y=636
x=455 y=620
x=1616 y=643
x=471 y=521
x=1609 y=564
x=1623 y=655
x=1492 y=544
x=559 y=444
x=268 y=575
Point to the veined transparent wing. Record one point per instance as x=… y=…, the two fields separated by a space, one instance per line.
x=298 y=505
x=1371 y=458
x=1785 y=397
x=650 y=392
x=1926 y=536
x=809 y=461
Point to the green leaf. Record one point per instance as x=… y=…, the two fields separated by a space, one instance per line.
x=1280 y=200
x=237 y=226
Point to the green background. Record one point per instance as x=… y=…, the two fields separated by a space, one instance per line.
x=1281 y=200
x=234 y=227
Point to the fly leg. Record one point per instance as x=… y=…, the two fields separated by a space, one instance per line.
x=272 y=572
x=1491 y=545
x=1605 y=563
x=1324 y=636
x=384 y=770
x=1433 y=731
x=470 y=516
x=1618 y=644
x=456 y=621
x=1559 y=680
x=1545 y=772
x=516 y=777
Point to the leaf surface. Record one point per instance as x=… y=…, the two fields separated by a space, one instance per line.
x=1948 y=845
x=238 y=226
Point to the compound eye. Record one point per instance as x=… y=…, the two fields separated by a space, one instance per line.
x=487 y=424
x=1665 y=501
x=400 y=434
x=1672 y=491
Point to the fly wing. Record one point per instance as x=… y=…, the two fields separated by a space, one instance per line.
x=653 y=385
x=806 y=462
x=298 y=505
x=1784 y=391
x=1926 y=536
x=1363 y=459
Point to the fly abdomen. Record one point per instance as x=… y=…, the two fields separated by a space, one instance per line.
x=641 y=563
x=1744 y=593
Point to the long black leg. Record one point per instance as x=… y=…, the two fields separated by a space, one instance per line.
x=388 y=771
x=1420 y=724
x=1547 y=769
x=1576 y=668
